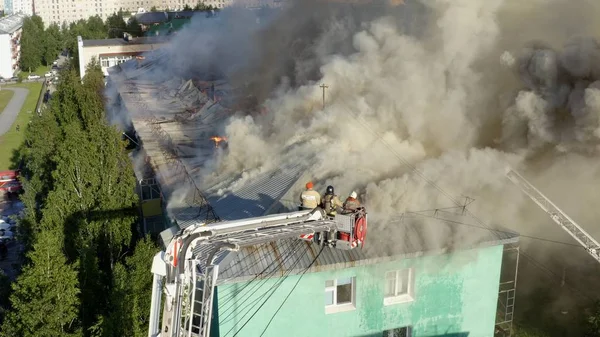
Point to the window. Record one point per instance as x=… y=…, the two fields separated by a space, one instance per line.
x=340 y=295
x=398 y=332
x=398 y=286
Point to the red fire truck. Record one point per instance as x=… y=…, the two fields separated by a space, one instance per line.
x=9 y=181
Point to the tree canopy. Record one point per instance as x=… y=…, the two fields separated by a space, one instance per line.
x=87 y=271
x=41 y=45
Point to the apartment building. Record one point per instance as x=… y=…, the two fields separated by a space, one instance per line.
x=10 y=44
x=18 y=6
x=59 y=11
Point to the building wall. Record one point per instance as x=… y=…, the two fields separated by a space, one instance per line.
x=10 y=51
x=109 y=56
x=59 y=11
x=5 y=56
x=23 y=6
x=8 y=7
x=453 y=294
x=18 y=6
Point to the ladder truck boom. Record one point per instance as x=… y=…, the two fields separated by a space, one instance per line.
x=563 y=220
x=189 y=271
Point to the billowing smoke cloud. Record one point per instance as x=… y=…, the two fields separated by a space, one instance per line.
x=455 y=88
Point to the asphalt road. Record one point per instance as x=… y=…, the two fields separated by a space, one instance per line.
x=8 y=116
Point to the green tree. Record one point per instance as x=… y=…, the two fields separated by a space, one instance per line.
x=134 y=28
x=31 y=44
x=153 y=9
x=45 y=296
x=4 y=294
x=116 y=25
x=52 y=44
x=93 y=177
x=131 y=297
x=187 y=7
x=202 y=7
x=592 y=321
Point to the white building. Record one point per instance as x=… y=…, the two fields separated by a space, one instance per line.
x=18 y=6
x=10 y=44
x=110 y=52
x=59 y=11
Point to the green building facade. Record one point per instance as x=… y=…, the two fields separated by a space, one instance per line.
x=451 y=294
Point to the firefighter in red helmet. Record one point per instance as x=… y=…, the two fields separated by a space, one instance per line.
x=310 y=198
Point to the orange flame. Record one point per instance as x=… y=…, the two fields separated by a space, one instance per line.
x=217 y=140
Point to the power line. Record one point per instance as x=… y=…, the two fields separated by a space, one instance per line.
x=258 y=285
x=274 y=287
x=286 y=256
x=290 y=292
x=498 y=230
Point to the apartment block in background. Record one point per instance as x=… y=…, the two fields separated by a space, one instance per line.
x=18 y=6
x=59 y=11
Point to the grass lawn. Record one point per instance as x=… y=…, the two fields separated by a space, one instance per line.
x=5 y=96
x=11 y=140
x=41 y=70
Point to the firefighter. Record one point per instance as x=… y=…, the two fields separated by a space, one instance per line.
x=331 y=202
x=310 y=198
x=351 y=203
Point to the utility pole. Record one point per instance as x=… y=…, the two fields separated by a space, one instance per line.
x=323 y=86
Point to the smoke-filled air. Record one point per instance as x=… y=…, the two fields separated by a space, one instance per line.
x=457 y=89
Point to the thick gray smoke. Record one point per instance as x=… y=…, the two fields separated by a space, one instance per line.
x=437 y=90
x=456 y=88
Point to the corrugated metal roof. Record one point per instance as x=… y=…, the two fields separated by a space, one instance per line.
x=258 y=196
x=11 y=23
x=401 y=238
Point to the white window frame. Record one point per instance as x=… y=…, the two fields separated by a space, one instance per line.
x=335 y=308
x=397 y=298
x=388 y=332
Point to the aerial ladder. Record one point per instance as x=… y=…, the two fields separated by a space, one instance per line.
x=563 y=220
x=187 y=270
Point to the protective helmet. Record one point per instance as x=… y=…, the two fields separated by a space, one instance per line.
x=329 y=189
x=309 y=185
x=353 y=195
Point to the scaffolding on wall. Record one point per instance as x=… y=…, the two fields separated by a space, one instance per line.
x=507 y=291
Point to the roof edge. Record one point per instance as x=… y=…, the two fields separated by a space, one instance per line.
x=490 y=243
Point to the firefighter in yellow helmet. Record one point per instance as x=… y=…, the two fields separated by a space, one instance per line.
x=310 y=198
x=331 y=202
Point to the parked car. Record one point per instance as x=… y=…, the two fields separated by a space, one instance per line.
x=33 y=77
x=14 y=78
x=48 y=74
